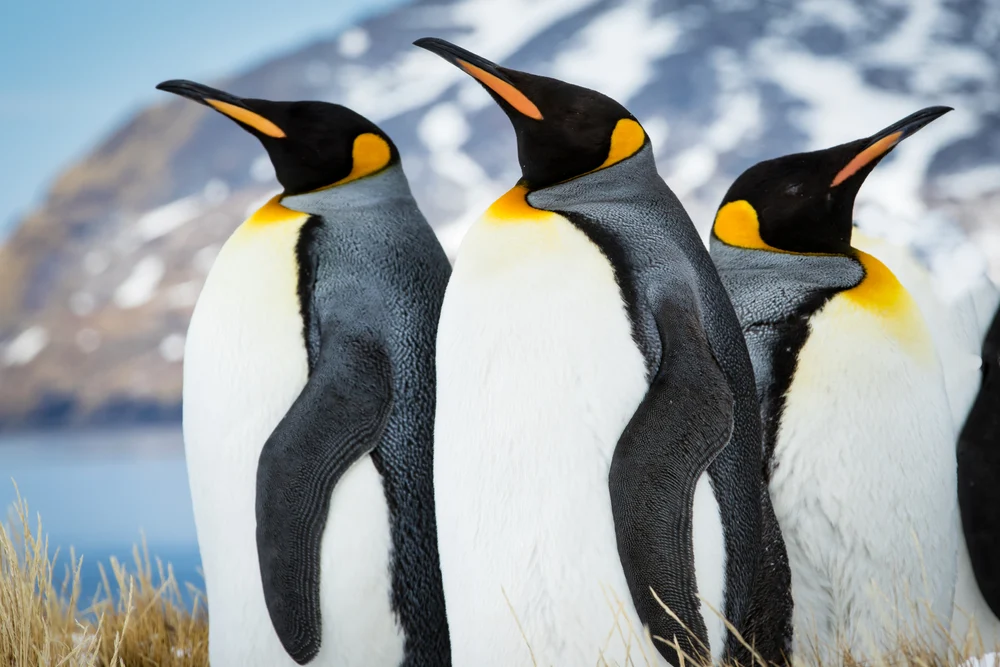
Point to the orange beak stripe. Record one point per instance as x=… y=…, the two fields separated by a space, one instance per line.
x=509 y=93
x=247 y=117
x=866 y=156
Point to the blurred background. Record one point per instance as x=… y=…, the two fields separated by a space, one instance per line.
x=115 y=198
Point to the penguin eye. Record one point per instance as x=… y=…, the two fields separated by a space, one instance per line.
x=793 y=189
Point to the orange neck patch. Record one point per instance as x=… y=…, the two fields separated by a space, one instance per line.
x=881 y=294
x=273 y=213
x=879 y=290
x=513 y=207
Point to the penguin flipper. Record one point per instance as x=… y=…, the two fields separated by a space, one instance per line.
x=337 y=419
x=978 y=464
x=684 y=421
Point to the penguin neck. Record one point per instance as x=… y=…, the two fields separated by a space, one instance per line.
x=372 y=191
x=881 y=294
x=632 y=179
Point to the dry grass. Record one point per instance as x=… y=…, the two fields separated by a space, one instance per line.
x=132 y=621
x=141 y=620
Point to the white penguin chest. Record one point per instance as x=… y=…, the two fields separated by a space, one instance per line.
x=537 y=377
x=245 y=364
x=864 y=484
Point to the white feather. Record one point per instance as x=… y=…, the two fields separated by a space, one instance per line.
x=957 y=328
x=245 y=363
x=537 y=376
x=865 y=484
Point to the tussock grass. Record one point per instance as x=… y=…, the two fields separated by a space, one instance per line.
x=133 y=620
x=140 y=619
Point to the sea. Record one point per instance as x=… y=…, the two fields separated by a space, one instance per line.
x=102 y=493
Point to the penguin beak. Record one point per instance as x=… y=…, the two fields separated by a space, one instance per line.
x=226 y=104
x=489 y=74
x=879 y=144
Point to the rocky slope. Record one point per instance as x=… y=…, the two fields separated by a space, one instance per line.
x=96 y=286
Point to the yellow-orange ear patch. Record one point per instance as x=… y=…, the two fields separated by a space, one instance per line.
x=370 y=153
x=736 y=224
x=864 y=157
x=509 y=93
x=247 y=117
x=626 y=140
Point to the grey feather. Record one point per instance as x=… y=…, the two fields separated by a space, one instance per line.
x=378 y=276
x=640 y=225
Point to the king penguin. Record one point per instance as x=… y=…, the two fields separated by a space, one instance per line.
x=966 y=332
x=979 y=495
x=309 y=404
x=597 y=442
x=858 y=430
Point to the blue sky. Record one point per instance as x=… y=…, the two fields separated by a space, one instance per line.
x=71 y=70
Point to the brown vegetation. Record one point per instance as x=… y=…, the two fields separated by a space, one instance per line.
x=141 y=620
x=133 y=620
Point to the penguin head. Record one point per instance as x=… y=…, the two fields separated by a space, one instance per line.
x=312 y=145
x=804 y=203
x=563 y=131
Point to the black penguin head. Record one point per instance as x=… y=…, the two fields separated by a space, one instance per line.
x=804 y=203
x=312 y=145
x=562 y=130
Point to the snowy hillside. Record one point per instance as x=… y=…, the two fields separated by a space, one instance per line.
x=96 y=288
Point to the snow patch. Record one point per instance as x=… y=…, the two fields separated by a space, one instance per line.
x=692 y=169
x=165 y=219
x=25 y=346
x=443 y=130
x=496 y=29
x=172 y=347
x=141 y=284
x=973 y=183
x=443 y=127
x=601 y=59
x=354 y=42
x=739 y=118
x=657 y=129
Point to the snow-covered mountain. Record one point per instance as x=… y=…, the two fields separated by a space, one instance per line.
x=97 y=286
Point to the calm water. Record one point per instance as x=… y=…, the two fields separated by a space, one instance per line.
x=100 y=492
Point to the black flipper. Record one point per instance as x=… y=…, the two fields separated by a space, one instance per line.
x=338 y=418
x=768 y=622
x=979 y=472
x=682 y=424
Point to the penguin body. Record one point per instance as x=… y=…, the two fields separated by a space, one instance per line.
x=958 y=327
x=308 y=416
x=857 y=422
x=596 y=433
x=979 y=500
x=575 y=411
